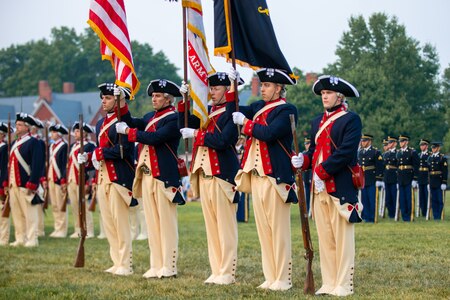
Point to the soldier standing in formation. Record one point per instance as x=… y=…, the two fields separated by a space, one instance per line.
x=438 y=179
x=56 y=179
x=115 y=178
x=157 y=179
x=390 y=175
x=267 y=174
x=26 y=165
x=371 y=161
x=4 y=222
x=408 y=166
x=422 y=176
x=335 y=136
x=73 y=178
x=214 y=166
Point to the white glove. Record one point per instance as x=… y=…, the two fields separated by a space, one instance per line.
x=121 y=127
x=318 y=183
x=238 y=118
x=414 y=184
x=233 y=74
x=95 y=162
x=187 y=133
x=118 y=92
x=184 y=89
x=82 y=158
x=443 y=186
x=379 y=184
x=297 y=160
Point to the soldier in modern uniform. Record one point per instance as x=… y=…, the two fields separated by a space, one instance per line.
x=4 y=222
x=115 y=177
x=385 y=144
x=371 y=161
x=25 y=172
x=390 y=175
x=307 y=177
x=335 y=136
x=56 y=179
x=157 y=179
x=266 y=172
x=438 y=179
x=422 y=176
x=408 y=167
x=73 y=178
x=213 y=168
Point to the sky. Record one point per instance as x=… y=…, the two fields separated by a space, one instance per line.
x=307 y=31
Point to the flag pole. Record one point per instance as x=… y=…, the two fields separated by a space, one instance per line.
x=233 y=57
x=185 y=78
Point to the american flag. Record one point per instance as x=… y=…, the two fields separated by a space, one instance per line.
x=109 y=20
x=198 y=60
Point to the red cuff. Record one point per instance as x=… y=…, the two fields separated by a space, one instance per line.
x=63 y=181
x=229 y=96
x=31 y=186
x=132 y=134
x=99 y=154
x=200 y=138
x=248 y=128
x=5 y=183
x=42 y=179
x=2 y=192
x=306 y=162
x=320 y=171
x=181 y=106
x=123 y=110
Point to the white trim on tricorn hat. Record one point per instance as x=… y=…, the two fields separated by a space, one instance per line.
x=336 y=84
x=29 y=120
x=86 y=127
x=107 y=88
x=221 y=79
x=275 y=76
x=163 y=86
x=58 y=128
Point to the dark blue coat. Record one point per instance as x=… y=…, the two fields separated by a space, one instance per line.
x=61 y=161
x=438 y=170
x=407 y=158
x=3 y=166
x=277 y=130
x=372 y=163
x=390 y=167
x=166 y=135
x=346 y=134
x=223 y=140
x=124 y=168
x=422 y=175
x=31 y=151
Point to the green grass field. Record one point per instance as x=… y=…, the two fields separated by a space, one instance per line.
x=394 y=260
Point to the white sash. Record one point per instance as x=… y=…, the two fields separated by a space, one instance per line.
x=217 y=112
x=158 y=118
x=106 y=126
x=72 y=155
x=268 y=106
x=324 y=125
x=53 y=159
x=19 y=157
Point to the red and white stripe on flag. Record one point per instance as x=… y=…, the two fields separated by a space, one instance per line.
x=109 y=20
x=198 y=60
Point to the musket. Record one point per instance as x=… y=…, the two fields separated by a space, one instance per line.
x=66 y=194
x=45 y=205
x=307 y=244
x=6 y=207
x=79 y=261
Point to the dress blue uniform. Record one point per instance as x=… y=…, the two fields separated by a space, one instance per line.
x=390 y=177
x=408 y=167
x=422 y=178
x=438 y=180
x=371 y=161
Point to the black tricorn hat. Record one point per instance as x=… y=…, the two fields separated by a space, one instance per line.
x=221 y=78
x=58 y=128
x=275 y=76
x=107 y=88
x=86 y=127
x=163 y=86
x=4 y=127
x=336 y=84
x=29 y=119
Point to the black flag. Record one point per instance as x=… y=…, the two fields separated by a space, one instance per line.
x=254 y=42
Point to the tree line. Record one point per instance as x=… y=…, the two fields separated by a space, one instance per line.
x=401 y=89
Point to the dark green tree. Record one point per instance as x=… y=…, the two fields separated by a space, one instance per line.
x=446 y=105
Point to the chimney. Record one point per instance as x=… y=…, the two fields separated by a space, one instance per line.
x=255 y=86
x=311 y=78
x=45 y=91
x=68 y=88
